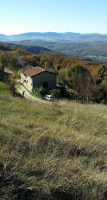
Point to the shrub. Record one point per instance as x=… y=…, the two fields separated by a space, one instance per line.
x=56 y=93
x=40 y=92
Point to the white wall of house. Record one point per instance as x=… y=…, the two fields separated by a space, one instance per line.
x=26 y=81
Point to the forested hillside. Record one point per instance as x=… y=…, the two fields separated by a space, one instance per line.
x=93 y=51
x=30 y=48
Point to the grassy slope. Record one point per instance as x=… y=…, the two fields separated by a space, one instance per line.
x=4 y=90
x=54 y=151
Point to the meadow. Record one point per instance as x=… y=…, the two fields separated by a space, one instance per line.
x=52 y=152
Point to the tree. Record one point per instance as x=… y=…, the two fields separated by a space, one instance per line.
x=79 y=79
x=62 y=76
x=100 y=76
x=3 y=60
x=103 y=93
x=12 y=82
x=8 y=60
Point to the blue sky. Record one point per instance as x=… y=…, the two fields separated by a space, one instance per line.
x=83 y=16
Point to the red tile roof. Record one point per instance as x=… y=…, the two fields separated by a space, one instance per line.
x=32 y=71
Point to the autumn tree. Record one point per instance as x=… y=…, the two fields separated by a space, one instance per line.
x=100 y=76
x=79 y=79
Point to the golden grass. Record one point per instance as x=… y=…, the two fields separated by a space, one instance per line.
x=56 y=151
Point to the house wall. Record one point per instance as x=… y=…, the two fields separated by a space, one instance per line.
x=26 y=81
x=50 y=78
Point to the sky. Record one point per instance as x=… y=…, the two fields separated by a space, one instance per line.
x=80 y=16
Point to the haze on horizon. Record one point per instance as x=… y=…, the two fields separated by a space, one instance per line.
x=49 y=32
x=79 y=16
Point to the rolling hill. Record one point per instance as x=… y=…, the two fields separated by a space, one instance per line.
x=5 y=46
x=95 y=51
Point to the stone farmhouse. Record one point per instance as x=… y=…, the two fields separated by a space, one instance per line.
x=36 y=77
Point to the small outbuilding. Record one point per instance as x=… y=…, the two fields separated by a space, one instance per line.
x=36 y=77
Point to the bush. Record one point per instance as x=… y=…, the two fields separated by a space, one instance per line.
x=40 y=92
x=100 y=91
x=56 y=93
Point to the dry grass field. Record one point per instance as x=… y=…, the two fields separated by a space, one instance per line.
x=52 y=152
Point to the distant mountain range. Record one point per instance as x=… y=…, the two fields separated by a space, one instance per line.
x=53 y=36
